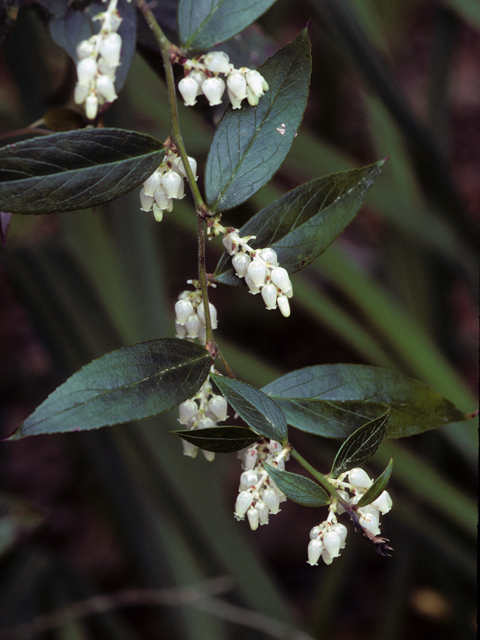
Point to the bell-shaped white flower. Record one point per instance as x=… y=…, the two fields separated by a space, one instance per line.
x=262 y=511
x=152 y=183
x=205 y=423
x=85 y=49
x=105 y=68
x=247 y=480
x=219 y=406
x=106 y=88
x=257 y=272
x=109 y=49
x=192 y=325
x=326 y=557
x=234 y=101
x=346 y=497
x=252 y=515
x=180 y=330
x=288 y=293
x=86 y=71
x=172 y=183
x=213 y=314
x=253 y=99
x=254 y=289
x=81 y=92
x=231 y=242
x=315 y=548
x=269 y=295
x=272 y=500
x=250 y=458
x=188 y=88
x=240 y=262
x=179 y=166
x=359 y=478
x=217 y=62
x=91 y=106
x=332 y=542
x=342 y=531
x=281 y=279
x=187 y=411
x=237 y=85
x=315 y=532
x=383 y=503
x=284 y=305
x=199 y=77
x=146 y=201
x=255 y=82
x=269 y=255
x=183 y=310
x=164 y=202
x=213 y=89
x=369 y=519
x=243 y=503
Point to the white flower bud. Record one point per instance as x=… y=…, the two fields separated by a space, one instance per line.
x=188 y=88
x=243 y=503
x=237 y=85
x=315 y=532
x=189 y=449
x=269 y=295
x=315 y=548
x=326 y=557
x=252 y=98
x=213 y=89
x=283 y=305
x=257 y=272
x=187 y=411
x=269 y=255
x=192 y=325
x=253 y=287
x=91 y=106
x=235 y=102
x=106 y=88
x=209 y=455
x=240 y=263
x=272 y=500
x=262 y=511
x=109 y=49
x=205 y=423
x=86 y=71
x=218 y=405
x=255 y=82
x=358 y=478
x=217 y=62
x=172 y=183
x=81 y=92
x=213 y=314
x=164 y=202
x=178 y=162
x=342 y=531
x=252 y=515
x=289 y=293
x=281 y=279
x=199 y=77
x=183 y=311
x=247 y=480
x=146 y=201
x=383 y=503
x=369 y=520
x=231 y=243
x=250 y=458
x=180 y=330
x=152 y=183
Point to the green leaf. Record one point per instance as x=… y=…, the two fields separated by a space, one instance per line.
x=305 y=221
x=298 y=488
x=334 y=400
x=378 y=487
x=251 y=143
x=205 y=23
x=220 y=439
x=260 y=412
x=131 y=383
x=361 y=445
x=74 y=170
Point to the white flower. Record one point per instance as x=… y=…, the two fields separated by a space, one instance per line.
x=146 y=201
x=281 y=279
x=218 y=405
x=358 y=478
x=183 y=311
x=269 y=255
x=199 y=77
x=164 y=202
x=106 y=88
x=213 y=314
x=81 y=92
x=217 y=62
x=243 y=503
x=269 y=295
x=110 y=47
x=188 y=410
x=252 y=515
x=152 y=183
x=86 y=71
x=256 y=82
x=91 y=106
x=188 y=88
x=283 y=305
x=332 y=542
x=173 y=184
x=213 y=89
x=240 y=263
x=272 y=500
x=262 y=511
x=85 y=49
x=257 y=272
x=383 y=503
x=192 y=325
x=315 y=548
x=237 y=85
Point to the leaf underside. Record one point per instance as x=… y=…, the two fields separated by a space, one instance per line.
x=220 y=439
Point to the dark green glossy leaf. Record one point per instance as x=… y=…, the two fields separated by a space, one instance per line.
x=251 y=143
x=260 y=412
x=361 y=445
x=70 y=27
x=335 y=400
x=378 y=487
x=204 y=23
x=74 y=170
x=298 y=488
x=220 y=439
x=305 y=221
x=127 y=384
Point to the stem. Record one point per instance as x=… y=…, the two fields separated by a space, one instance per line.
x=321 y=479
x=202 y=277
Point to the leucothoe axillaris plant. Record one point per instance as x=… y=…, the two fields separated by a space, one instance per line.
x=189 y=373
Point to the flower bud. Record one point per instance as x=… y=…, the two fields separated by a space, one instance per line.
x=213 y=89
x=146 y=201
x=109 y=49
x=289 y=293
x=283 y=305
x=187 y=411
x=262 y=511
x=272 y=500
x=315 y=548
x=237 y=85
x=172 y=183
x=86 y=71
x=281 y=279
x=188 y=88
x=152 y=183
x=243 y=503
x=369 y=520
x=240 y=263
x=252 y=515
x=106 y=88
x=358 y=478
x=269 y=255
x=269 y=295
x=218 y=405
x=255 y=82
x=192 y=325
x=231 y=243
x=257 y=272
x=183 y=311
x=217 y=62
x=91 y=106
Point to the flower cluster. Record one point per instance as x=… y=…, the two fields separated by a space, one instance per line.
x=202 y=411
x=258 y=495
x=98 y=59
x=165 y=184
x=260 y=269
x=190 y=316
x=202 y=77
x=328 y=538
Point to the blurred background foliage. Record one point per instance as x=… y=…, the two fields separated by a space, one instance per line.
x=84 y=514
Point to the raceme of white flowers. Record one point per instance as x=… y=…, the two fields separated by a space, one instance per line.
x=202 y=77
x=165 y=184
x=98 y=59
x=258 y=495
x=190 y=316
x=203 y=411
x=328 y=538
x=259 y=267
